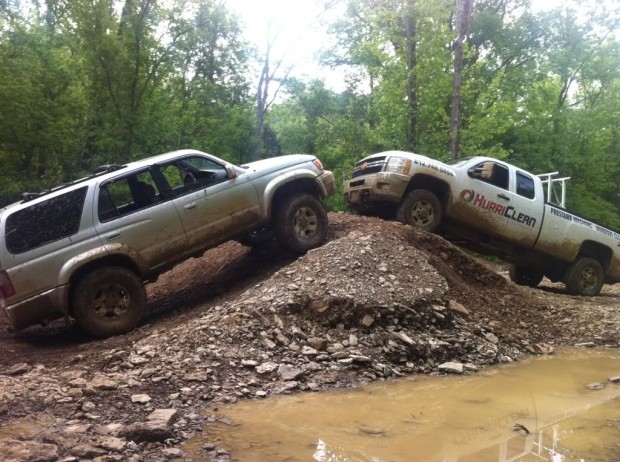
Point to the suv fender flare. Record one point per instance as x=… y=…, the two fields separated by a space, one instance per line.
x=287 y=178
x=91 y=258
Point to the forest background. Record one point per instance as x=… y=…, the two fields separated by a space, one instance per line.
x=91 y=82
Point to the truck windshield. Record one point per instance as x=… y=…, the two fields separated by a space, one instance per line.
x=458 y=162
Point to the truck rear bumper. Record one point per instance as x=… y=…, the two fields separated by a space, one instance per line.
x=34 y=310
x=380 y=187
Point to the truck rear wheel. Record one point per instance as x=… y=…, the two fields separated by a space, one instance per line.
x=525 y=276
x=109 y=301
x=585 y=277
x=421 y=209
x=300 y=223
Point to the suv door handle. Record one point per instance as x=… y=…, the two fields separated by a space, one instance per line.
x=190 y=206
x=503 y=196
x=113 y=236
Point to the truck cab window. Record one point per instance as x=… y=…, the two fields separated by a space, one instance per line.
x=525 y=186
x=492 y=173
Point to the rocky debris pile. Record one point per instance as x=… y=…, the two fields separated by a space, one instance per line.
x=378 y=302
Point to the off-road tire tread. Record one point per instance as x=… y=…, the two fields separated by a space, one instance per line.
x=573 y=276
x=283 y=222
x=524 y=276
x=89 y=321
x=403 y=213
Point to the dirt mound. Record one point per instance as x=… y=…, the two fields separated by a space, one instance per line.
x=379 y=300
x=488 y=296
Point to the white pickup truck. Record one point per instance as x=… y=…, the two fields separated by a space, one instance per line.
x=495 y=208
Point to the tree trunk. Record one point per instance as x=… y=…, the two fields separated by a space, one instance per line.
x=262 y=94
x=463 y=14
x=412 y=97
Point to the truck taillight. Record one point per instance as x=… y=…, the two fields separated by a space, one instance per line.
x=6 y=286
x=318 y=164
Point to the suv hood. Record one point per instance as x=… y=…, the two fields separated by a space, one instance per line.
x=277 y=163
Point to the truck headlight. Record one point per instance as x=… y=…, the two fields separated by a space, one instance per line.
x=398 y=165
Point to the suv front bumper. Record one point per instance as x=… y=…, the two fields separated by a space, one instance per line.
x=328 y=184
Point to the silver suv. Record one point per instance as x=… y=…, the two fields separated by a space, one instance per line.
x=86 y=248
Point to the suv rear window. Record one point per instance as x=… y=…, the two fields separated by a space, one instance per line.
x=45 y=222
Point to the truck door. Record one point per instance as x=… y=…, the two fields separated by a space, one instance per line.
x=500 y=200
x=212 y=206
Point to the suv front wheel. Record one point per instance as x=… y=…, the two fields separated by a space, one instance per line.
x=109 y=301
x=300 y=223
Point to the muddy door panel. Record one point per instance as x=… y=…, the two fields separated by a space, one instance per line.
x=219 y=211
x=138 y=222
x=491 y=201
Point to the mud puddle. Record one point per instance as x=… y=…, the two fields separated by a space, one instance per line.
x=25 y=427
x=473 y=418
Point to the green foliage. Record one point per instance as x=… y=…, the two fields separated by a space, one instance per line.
x=86 y=82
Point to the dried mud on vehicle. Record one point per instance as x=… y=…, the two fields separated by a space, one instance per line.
x=378 y=301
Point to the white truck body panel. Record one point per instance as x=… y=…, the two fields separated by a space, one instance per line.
x=490 y=201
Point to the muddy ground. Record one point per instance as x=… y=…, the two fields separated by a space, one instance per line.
x=378 y=301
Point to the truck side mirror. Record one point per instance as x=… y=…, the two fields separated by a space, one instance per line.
x=487 y=171
x=231 y=171
x=484 y=172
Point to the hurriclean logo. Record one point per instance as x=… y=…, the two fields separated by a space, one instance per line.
x=469 y=196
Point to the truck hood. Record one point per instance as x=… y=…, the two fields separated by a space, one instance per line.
x=265 y=166
x=418 y=161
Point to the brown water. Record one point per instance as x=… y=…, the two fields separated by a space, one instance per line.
x=25 y=427
x=439 y=418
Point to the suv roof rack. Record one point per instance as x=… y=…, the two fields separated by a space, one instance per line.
x=107 y=168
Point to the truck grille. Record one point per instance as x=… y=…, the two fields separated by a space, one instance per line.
x=366 y=167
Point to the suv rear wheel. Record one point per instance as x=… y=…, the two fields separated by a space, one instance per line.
x=300 y=223
x=109 y=301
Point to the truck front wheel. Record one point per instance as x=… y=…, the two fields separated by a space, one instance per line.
x=300 y=223
x=524 y=276
x=109 y=301
x=585 y=277
x=421 y=209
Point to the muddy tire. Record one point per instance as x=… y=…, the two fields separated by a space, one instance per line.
x=109 y=301
x=524 y=276
x=585 y=277
x=300 y=223
x=421 y=209
x=257 y=238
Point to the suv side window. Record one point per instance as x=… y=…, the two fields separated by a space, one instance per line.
x=45 y=222
x=525 y=186
x=192 y=173
x=127 y=194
